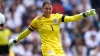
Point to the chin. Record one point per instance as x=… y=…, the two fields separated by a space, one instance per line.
x=47 y=15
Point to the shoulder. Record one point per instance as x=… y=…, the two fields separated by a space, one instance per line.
x=7 y=30
x=38 y=17
x=58 y=14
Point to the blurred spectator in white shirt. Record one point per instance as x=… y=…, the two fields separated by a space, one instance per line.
x=18 y=49
x=96 y=51
x=14 y=15
x=28 y=3
x=91 y=31
x=68 y=52
x=92 y=42
x=98 y=36
x=18 y=13
x=39 y=3
x=90 y=39
x=79 y=49
x=10 y=17
x=27 y=51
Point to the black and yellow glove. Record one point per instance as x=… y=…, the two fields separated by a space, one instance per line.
x=12 y=42
x=90 y=12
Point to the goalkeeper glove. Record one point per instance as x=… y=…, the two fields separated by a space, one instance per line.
x=90 y=12
x=12 y=42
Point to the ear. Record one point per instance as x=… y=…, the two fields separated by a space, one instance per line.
x=42 y=9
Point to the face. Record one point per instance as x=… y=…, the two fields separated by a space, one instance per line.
x=2 y=26
x=47 y=10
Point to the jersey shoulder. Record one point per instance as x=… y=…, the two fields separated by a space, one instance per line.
x=57 y=16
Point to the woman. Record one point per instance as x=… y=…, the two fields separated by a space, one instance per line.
x=48 y=26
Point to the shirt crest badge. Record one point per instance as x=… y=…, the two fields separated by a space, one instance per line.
x=55 y=21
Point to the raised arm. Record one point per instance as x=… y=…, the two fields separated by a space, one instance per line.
x=72 y=18
x=78 y=16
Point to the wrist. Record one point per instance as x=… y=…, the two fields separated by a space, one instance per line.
x=14 y=41
x=84 y=14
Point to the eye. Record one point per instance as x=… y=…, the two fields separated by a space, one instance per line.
x=48 y=8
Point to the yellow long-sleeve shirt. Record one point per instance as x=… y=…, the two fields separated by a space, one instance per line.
x=49 y=29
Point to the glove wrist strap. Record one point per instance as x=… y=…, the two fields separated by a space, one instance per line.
x=84 y=15
x=14 y=41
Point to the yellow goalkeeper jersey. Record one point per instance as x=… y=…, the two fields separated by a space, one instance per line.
x=49 y=29
x=4 y=36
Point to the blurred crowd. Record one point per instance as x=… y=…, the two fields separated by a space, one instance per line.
x=79 y=38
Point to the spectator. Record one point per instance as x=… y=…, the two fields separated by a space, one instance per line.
x=96 y=51
x=79 y=49
x=95 y=4
x=57 y=7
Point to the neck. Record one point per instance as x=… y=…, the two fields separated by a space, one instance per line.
x=47 y=16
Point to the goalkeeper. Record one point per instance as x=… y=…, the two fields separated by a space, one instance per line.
x=48 y=26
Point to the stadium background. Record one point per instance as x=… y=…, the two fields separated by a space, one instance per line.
x=81 y=38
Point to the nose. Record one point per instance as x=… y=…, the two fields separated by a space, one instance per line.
x=48 y=10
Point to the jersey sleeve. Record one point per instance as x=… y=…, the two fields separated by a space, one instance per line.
x=33 y=25
x=72 y=18
x=59 y=16
x=63 y=18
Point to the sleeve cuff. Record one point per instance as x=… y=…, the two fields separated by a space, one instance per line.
x=30 y=29
x=84 y=15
